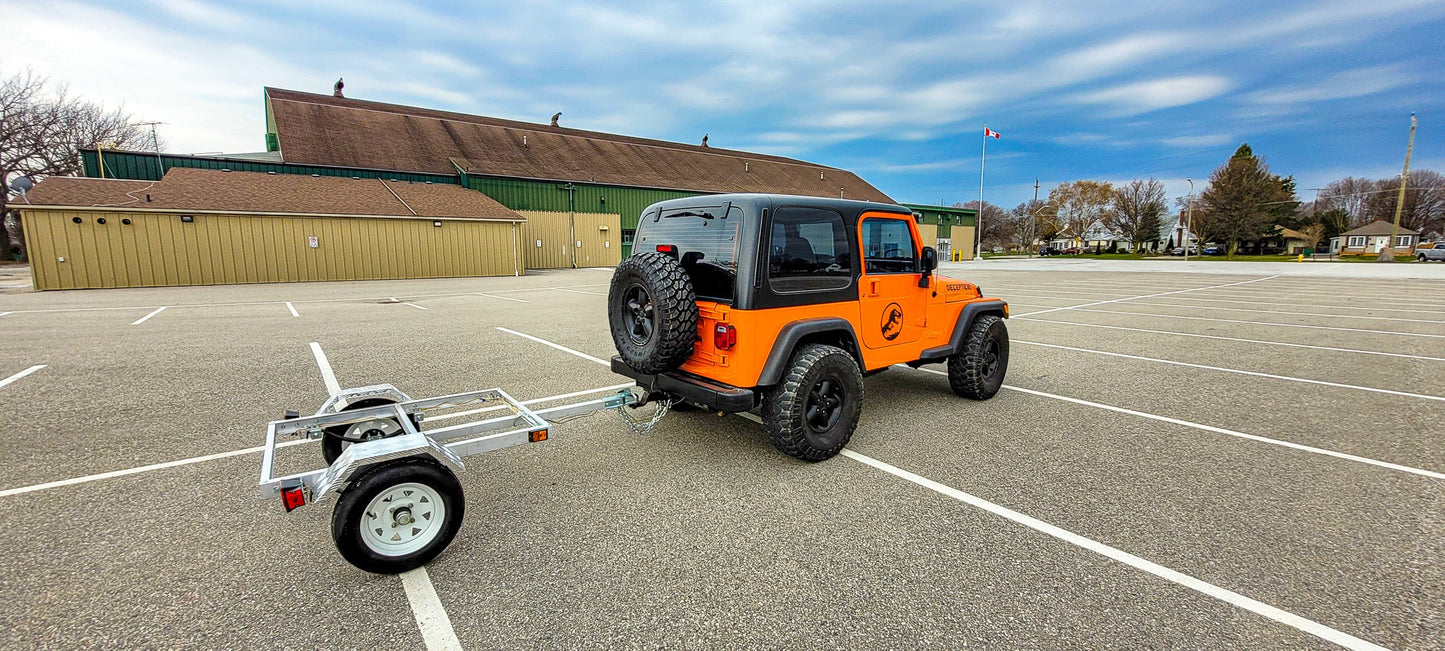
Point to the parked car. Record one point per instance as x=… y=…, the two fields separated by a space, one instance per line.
x=1073 y=250
x=1179 y=250
x=1048 y=250
x=1214 y=249
x=1436 y=253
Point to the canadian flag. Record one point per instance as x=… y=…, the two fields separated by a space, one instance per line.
x=990 y=133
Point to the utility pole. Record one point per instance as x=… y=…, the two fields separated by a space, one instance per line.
x=1387 y=254
x=1034 y=218
x=1189 y=223
x=155 y=144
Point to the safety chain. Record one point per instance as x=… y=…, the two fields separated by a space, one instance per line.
x=642 y=427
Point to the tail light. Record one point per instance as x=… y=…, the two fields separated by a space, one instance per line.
x=293 y=497
x=670 y=249
x=724 y=337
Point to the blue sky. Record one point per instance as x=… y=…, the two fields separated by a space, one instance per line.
x=896 y=92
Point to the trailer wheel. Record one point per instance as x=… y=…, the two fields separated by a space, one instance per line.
x=652 y=311
x=812 y=413
x=341 y=437
x=398 y=517
x=977 y=371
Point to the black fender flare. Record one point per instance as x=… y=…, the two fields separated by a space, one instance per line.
x=791 y=334
x=966 y=317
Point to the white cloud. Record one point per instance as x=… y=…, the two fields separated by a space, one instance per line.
x=1145 y=96
x=1202 y=140
x=1350 y=83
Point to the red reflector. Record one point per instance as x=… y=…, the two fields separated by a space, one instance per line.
x=293 y=498
x=724 y=337
x=667 y=248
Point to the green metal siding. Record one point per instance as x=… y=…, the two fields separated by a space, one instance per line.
x=945 y=216
x=552 y=196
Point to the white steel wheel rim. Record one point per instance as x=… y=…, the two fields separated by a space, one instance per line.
x=403 y=519
x=368 y=431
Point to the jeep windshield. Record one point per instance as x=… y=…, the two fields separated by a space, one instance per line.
x=707 y=245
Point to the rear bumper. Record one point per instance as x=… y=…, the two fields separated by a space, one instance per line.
x=715 y=395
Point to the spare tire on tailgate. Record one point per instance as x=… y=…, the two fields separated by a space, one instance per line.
x=653 y=312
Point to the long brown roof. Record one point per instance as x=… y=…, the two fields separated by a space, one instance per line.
x=183 y=189
x=326 y=130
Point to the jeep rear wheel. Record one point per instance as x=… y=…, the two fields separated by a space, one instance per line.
x=652 y=311
x=977 y=371
x=812 y=413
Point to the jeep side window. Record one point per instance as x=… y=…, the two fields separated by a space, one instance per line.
x=808 y=251
x=888 y=247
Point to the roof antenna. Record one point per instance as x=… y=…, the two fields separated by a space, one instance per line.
x=524 y=140
x=336 y=89
x=704 y=140
x=555 y=117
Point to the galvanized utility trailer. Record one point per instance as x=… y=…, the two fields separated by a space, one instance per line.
x=398 y=499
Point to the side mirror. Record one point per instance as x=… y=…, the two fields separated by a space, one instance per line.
x=928 y=262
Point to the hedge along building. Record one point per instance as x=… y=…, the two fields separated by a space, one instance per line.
x=208 y=227
x=569 y=183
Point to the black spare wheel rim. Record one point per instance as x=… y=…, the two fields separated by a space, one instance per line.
x=638 y=314
x=824 y=404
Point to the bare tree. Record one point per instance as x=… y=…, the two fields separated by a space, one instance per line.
x=1424 y=208
x=1136 y=211
x=1349 y=194
x=995 y=229
x=41 y=133
x=1078 y=203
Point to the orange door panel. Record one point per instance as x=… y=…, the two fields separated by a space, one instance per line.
x=891 y=303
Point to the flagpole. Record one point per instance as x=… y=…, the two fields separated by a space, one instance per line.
x=978 y=217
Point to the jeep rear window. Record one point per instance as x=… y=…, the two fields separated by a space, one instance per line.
x=707 y=245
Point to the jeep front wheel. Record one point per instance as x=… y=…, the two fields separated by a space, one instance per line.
x=811 y=414
x=977 y=371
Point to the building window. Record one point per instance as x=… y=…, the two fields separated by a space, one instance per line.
x=628 y=234
x=1356 y=241
x=1402 y=242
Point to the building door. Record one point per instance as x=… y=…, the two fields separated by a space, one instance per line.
x=1380 y=244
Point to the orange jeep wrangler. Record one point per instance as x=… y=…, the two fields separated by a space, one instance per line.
x=734 y=302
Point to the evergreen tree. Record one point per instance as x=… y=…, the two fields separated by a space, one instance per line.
x=1242 y=200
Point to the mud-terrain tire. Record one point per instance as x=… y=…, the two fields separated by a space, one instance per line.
x=812 y=413
x=977 y=371
x=652 y=311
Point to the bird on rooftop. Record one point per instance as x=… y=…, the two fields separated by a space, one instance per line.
x=555 y=117
x=704 y=140
x=336 y=90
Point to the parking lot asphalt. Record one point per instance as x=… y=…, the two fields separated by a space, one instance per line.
x=1205 y=460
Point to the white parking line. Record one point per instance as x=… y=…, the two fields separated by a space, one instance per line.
x=132 y=471
x=21 y=374
x=1235 y=370
x=327 y=375
x=504 y=298
x=416 y=306
x=560 y=347
x=1228 y=596
x=1271 y=324
x=1054 y=295
x=1220 y=430
x=1178 y=291
x=5 y=313
x=431 y=617
x=1330 y=316
x=291 y=307
x=577 y=291
x=1249 y=341
x=148 y=316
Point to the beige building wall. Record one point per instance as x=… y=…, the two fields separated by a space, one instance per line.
x=551 y=238
x=929 y=234
x=157 y=248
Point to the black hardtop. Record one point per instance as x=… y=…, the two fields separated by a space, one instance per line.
x=759 y=201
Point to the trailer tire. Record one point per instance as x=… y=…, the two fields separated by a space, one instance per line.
x=977 y=371
x=398 y=516
x=336 y=439
x=812 y=413
x=652 y=312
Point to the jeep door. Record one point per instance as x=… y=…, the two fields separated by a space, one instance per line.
x=891 y=302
